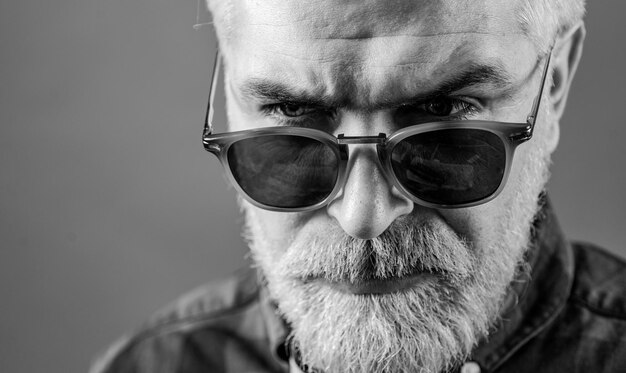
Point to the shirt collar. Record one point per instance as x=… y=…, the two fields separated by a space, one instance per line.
x=536 y=299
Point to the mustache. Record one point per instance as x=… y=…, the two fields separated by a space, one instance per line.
x=404 y=249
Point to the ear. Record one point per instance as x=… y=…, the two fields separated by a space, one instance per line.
x=565 y=58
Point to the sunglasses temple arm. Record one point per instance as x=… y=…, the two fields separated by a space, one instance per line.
x=535 y=110
x=208 y=119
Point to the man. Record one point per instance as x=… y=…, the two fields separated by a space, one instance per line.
x=392 y=228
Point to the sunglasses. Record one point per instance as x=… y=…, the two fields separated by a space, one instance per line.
x=444 y=164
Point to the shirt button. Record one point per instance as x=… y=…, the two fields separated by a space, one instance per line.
x=470 y=367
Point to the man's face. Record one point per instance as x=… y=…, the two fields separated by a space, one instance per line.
x=372 y=281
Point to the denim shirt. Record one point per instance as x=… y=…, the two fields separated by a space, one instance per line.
x=570 y=316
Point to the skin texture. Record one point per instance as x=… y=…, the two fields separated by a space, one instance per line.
x=361 y=59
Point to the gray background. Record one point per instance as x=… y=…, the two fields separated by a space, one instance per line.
x=109 y=206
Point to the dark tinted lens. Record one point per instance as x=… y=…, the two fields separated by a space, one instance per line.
x=448 y=167
x=284 y=170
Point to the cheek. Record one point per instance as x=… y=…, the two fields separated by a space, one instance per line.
x=272 y=232
x=476 y=224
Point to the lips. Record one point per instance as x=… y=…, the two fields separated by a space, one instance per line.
x=382 y=286
x=376 y=285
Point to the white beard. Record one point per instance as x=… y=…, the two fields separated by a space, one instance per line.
x=430 y=327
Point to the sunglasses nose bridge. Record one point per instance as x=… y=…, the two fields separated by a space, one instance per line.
x=380 y=141
x=342 y=139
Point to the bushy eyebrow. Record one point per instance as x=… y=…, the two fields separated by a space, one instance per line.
x=474 y=75
x=268 y=90
x=470 y=76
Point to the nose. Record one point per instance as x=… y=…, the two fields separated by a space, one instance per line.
x=368 y=203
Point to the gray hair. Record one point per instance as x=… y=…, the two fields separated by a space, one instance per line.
x=544 y=20
x=541 y=20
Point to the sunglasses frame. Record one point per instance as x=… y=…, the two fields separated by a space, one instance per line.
x=511 y=134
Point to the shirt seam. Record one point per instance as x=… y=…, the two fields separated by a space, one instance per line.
x=170 y=326
x=597 y=310
x=203 y=316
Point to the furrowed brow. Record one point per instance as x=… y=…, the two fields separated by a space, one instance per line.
x=264 y=90
x=473 y=75
x=271 y=91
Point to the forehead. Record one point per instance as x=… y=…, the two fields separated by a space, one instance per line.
x=290 y=21
x=375 y=17
x=334 y=42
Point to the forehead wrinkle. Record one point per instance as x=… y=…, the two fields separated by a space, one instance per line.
x=362 y=19
x=312 y=33
x=416 y=36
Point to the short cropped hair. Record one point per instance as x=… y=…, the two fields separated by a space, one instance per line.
x=541 y=20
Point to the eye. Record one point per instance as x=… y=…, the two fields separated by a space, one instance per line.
x=445 y=106
x=293 y=110
x=300 y=114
